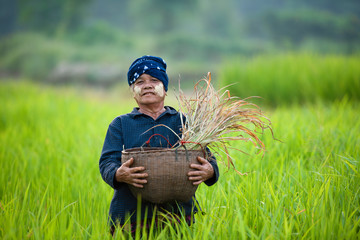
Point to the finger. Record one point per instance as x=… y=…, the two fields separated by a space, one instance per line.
x=201 y=160
x=138 y=185
x=196 y=166
x=195 y=178
x=194 y=173
x=197 y=183
x=129 y=162
x=140 y=181
x=139 y=175
x=137 y=169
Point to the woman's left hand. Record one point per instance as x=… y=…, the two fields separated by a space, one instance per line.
x=201 y=172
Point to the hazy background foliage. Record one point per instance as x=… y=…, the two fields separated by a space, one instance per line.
x=94 y=41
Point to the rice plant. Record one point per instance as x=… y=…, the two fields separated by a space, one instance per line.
x=306 y=187
x=293 y=78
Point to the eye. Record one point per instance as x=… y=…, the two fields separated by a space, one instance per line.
x=139 y=81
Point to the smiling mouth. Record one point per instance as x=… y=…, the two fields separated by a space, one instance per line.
x=148 y=93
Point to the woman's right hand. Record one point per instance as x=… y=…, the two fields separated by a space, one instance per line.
x=131 y=175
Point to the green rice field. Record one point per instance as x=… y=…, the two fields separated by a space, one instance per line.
x=294 y=78
x=306 y=186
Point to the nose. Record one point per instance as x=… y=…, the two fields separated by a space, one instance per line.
x=148 y=85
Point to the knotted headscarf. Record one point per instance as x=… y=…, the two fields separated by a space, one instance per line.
x=154 y=66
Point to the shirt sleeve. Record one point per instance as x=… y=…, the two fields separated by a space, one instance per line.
x=110 y=159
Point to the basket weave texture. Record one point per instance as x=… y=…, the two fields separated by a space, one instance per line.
x=167 y=170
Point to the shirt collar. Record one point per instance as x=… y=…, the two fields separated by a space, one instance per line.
x=168 y=110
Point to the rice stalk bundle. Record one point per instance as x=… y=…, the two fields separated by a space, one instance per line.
x=214 y=119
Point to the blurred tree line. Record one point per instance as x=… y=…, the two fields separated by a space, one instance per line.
x=196 y=31
x=281 y=22
x=291 y=21
x=50 y=16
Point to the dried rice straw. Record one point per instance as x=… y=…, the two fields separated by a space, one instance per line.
x=214 y=118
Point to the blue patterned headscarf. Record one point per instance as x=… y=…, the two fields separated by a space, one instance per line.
x=154 y=66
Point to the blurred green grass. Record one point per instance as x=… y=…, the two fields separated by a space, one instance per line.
x=293 y=78
x=50 y=186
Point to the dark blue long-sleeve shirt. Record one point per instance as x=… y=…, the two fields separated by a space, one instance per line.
x=129 y=131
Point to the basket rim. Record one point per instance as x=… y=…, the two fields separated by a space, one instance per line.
x=157 y=149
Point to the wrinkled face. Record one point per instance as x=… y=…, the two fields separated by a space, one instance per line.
x=148 y=90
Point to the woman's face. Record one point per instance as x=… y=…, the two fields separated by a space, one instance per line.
x=148 y=90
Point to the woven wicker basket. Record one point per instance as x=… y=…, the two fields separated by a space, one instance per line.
x=167 y=170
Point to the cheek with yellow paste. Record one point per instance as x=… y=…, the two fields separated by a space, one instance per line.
x=159 y=90
x=137 y=91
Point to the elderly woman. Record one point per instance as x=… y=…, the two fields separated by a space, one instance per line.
x=149 y=83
